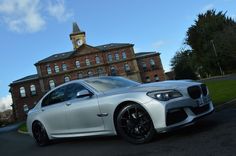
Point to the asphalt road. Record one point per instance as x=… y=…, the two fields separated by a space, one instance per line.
x=212 y=136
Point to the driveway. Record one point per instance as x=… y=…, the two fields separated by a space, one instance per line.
x=214 y=135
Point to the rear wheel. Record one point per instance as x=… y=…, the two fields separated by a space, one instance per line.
x=40 y=134
x=134 y=124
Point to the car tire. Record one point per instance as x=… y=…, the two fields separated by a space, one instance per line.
x=40 y=134
x=134 y=124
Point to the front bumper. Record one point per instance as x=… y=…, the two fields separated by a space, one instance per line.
x=177 y=113
x=190 y=120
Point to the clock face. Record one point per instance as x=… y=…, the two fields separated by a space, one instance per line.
x=79 y=42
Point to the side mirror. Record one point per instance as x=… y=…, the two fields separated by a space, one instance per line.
x=83 y=93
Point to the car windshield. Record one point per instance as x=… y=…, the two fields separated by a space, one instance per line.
x=104 y=84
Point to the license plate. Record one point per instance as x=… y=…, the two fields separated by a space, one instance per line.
x=203 y=101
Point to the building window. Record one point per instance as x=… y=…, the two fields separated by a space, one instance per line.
x=87 y=62
x=66 y=79
x=113 y=71
x=77 y=64
x=49 y=70
x=127 y=68
x=98 y=61
x=100 y=71
x=148 y=79
x=56 y=68
x=117 y=57
x=64 y=67
x=144 y=65
x=156 y=78
x=33 y=90
x=109 y=56
x=124 y=55
x=90 y=73
x=152 y=63
x=22 y=92
x=52 y=84
x=80 y=75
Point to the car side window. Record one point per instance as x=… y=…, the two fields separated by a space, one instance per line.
x=54 y=97
x=72 y=90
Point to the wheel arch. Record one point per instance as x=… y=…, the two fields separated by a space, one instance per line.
x=119 y=107
x=35 y=121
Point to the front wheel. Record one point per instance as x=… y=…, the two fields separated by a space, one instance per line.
x=134 y=124
x=40 y=134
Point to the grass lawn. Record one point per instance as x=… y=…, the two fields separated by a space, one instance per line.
x=23 y=127
x=221 y=91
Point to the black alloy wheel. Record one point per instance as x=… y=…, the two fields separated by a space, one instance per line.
x=40 y=134
x=134 y=124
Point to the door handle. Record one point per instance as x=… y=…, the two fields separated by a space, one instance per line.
x=68 y=103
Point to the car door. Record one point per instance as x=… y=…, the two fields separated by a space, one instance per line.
x=82 y=112
x=53 y=114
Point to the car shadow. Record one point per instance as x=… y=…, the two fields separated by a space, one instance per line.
x=201 y=126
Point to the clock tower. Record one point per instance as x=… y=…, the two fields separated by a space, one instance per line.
x=77 y=36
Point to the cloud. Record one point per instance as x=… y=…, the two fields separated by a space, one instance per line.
x=29 y=15
x=22 y=16
x=5 y=103
x=207 y=7
x=158 y=44
x=58 y=10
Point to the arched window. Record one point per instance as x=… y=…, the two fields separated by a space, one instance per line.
x=56 y=68
x=80 y=75
x=87 y=62
x=52 y=84
x=144 y=65
x=33 y=89
x=117 y=56
x=98 y=61
x=90 y=73
x=156 y=78
x=113 y=71
x=49 y=70
x=77 y=64
x=127 y=68
x=109 y=58
x=64 y=67
x=148 y=79
x=152 y=63
x=22 y=92
x=66 y=79
x=124 y=55
x=100 y=71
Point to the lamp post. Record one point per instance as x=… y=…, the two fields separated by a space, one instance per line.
x=214 y=48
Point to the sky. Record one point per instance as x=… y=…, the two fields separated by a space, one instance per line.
x=31 y=30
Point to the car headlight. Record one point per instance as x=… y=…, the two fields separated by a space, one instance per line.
x=164 y=95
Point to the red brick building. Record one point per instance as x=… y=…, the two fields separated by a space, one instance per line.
x=84 y=61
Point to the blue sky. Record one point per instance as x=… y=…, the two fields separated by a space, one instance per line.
x=31 y=30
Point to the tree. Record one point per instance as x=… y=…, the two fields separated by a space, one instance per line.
x=182 y=65
x=209 y=28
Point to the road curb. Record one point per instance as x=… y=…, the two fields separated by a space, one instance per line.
x=225 y=105
x=22 y=132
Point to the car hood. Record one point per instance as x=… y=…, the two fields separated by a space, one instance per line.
x=164 y=85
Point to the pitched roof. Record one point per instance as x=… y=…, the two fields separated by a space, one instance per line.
x=55 y=57
x=75 y=28
x=26 y=78
x=65 y=55
x=142 y=54
x=113 y=46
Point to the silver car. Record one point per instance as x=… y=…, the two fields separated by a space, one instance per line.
x=117 y=106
